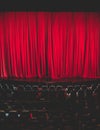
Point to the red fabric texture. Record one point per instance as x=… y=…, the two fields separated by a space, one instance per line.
x=52 y=45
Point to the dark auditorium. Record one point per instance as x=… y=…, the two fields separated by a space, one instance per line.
x=49 y=70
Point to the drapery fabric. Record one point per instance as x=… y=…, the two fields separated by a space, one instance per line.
x=52 y=45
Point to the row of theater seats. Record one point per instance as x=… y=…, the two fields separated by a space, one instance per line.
x=38 y=120
x=35 y=92
x=71 y=108
x=44 y=118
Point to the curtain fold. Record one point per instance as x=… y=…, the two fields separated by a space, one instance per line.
x=54 y=45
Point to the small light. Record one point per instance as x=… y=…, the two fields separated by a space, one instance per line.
x=6 y=114
x=18 y=115
x=31 y=116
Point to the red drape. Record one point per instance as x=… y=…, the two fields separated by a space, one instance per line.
x=50 y=44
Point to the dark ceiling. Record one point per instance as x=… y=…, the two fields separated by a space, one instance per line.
x=53 y=5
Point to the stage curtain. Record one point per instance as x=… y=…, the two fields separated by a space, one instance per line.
x=55 y=45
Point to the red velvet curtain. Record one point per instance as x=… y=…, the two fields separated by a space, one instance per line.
x=52 y=45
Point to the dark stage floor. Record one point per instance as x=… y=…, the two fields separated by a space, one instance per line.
x=50 y=81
